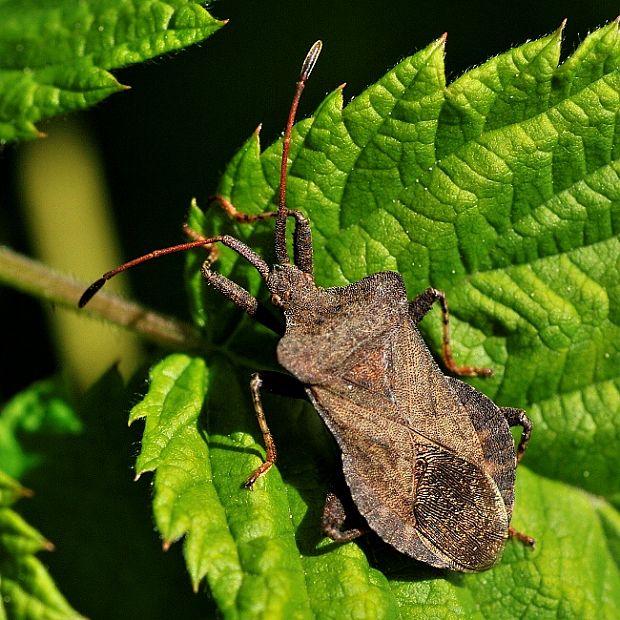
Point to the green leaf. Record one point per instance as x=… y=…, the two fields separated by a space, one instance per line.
x=17 y=537
x=10 y=490
x=172 y=443
x=31 y=419
x=501 y=189
x=260 y=571
x=26 y=589
x=27 y=592
x=56 y=55
x=83 y=495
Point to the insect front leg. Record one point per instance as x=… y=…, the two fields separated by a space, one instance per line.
x=231 y=290
x=418 y=309
x=517 y=417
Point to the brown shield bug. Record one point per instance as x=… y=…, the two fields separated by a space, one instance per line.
x=429 y=461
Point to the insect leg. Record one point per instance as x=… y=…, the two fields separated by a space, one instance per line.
x=277 y=383
x=239 y=216
x=334 y=516
x=418 y=309
x=517 y=417
x=255 y=385
x=302 y=235
x=521 y=537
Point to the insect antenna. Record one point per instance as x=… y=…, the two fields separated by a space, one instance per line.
x=90 y=292
x=238 y=246
x=280 y=227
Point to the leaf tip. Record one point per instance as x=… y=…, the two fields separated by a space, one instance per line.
x=560 y=29
x=258 y=129
x=132 y=418
x=48 y=545
x=166 y=544
x=25 y=492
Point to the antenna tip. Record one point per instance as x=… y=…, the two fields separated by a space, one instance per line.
x=310 y=60
x=90 y=292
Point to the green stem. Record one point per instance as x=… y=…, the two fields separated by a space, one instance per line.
x=36 y=279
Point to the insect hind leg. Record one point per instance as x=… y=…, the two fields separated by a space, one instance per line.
x=517 y=417
x=521 y=537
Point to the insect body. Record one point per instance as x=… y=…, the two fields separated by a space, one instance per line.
x=429 y=461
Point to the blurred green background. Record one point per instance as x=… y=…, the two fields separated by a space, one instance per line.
x=167 y=139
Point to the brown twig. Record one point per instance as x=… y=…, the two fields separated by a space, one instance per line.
x=34 y=278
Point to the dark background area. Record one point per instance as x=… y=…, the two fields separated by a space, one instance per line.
x=169 y=137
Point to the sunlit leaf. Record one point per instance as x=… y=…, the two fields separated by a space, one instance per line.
x=501 y=189
x=56 y=55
